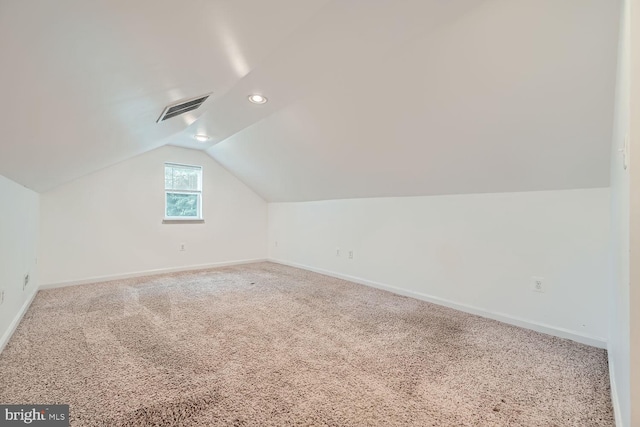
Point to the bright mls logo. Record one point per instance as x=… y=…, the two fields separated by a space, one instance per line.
x=34 y=415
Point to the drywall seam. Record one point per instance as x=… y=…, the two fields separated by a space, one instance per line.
x=535 y=326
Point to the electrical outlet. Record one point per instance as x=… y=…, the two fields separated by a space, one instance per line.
x=337 y=251
x=183 y=247
x=537 y=284
x=1 y=296
x=26 y=281
x=350 y=254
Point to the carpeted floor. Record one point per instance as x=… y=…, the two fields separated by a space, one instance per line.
x=268 y=345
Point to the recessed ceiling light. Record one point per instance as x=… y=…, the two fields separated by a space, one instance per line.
x=201 y=137
x=257 y=99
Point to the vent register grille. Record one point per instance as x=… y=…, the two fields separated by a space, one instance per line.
x=181 y=107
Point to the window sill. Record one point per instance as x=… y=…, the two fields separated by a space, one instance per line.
x=183 y=221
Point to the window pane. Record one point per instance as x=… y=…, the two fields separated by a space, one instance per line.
x=182 y=205
x=168 y=177
x=182 y=178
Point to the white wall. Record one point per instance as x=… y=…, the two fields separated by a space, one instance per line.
x=109 y=223
x=479 y=251
x=634 y=191
x=18 y=251
x=619 y=350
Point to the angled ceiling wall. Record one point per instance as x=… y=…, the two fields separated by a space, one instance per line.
x=84 y=82
x=384 y=98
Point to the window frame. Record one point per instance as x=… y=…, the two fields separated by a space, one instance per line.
x=200 y=217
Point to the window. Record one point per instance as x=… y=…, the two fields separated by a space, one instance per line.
x=182 y=192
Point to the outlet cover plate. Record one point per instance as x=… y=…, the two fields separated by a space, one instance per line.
x=537 y=284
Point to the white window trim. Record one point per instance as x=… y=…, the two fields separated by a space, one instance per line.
x=182 y=219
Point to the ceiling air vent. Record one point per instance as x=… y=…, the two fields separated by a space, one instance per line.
x=181 y=107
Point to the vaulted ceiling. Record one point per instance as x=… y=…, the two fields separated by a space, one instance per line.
x=366 y=98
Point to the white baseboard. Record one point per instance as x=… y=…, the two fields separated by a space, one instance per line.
x=16 y=321
x=98 y=279
x=505 y=318
x=615 y=400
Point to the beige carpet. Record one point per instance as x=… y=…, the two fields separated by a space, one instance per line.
x=268 y=345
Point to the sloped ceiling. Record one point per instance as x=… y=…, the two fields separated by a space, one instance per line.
x=83 y=82
x=366 y=98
